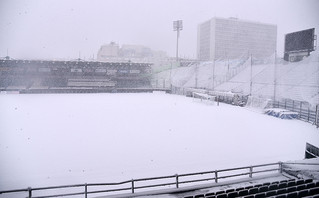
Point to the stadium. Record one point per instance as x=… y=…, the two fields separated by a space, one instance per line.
x=270 y=165
x=230 y=126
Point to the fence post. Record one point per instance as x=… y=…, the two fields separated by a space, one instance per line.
x=317 y=116
x=86 y=190
x=285 y=103
x=132 y=186
x=300 y=110
x=30 y=192
x=176 y=180
x=251 y=172
x=216 y=177
x=308 y=113
x=280 y=167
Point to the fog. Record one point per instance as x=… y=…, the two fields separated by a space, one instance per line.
x=66 y=29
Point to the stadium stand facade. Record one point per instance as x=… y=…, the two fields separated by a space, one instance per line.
x=37 y=76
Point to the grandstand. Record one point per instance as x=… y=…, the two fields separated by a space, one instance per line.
x=37 y=76
x=249 y=76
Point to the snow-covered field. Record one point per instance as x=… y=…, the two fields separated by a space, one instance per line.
x=77 y=138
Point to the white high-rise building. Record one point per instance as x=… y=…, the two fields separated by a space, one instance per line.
x=221 y=38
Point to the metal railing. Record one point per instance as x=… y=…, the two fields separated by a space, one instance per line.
x=172 y=181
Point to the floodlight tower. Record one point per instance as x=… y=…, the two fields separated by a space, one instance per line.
x=177 y=26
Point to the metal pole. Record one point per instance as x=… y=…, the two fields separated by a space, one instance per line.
x=170 y=75
x=317 y=116
x=275 y=75
x=30 y=192
x=280 y=167
x=251 y=74
x=196 y=74
x=214 y=75
x=177 y=45
x=177 y=185
x=216 y=177
x=86 y=190
x=132 y=186
x=251 y=172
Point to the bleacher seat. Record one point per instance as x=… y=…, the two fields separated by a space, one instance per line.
x=248 y=187
x=291 y=189
x=243 y=192
x=263 y=189
x=271 y=193
x=220 y=192
x=303 y=193
x=232 y=194
x=291 y=183
x=257 y=185
x=282 y=185
x=210 y=194
x=314 y=191
x=301 y=187
x=224 y=195
x=230 y=190
x=292 y=195
x=308 y=181
x=240 y=188
x=281 y=196
x=300 y=181
x=310 y=185
x=283 y=189
x=260 y=195
x=253 y=191
x=273 y=187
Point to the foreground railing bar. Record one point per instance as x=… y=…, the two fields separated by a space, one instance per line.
x=270 y=164
x=60 y=195
x=198 y=173
x=109 y=184
x=198 y=180
x=268 y=170
x=298 y=163
x=11 y=191
x=105 y=191
x=54 y=187
x=155 y=185
x=246 y=167
x=155 y=178
x=236 y=175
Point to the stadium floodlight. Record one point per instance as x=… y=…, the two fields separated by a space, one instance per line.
x=177 y=26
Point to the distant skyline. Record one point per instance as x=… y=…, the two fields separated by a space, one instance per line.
x=63 y=29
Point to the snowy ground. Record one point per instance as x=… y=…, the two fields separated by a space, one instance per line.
x=83 y=138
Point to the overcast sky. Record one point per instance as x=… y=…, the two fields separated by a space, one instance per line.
x=55 y=29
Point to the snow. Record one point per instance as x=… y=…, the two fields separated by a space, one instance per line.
x=90 y=138
x=294 y=80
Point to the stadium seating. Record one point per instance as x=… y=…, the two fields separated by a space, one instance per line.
x=278 y=189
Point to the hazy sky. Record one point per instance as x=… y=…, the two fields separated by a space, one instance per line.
x=47 y=29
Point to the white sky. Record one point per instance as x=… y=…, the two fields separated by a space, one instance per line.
x=47 y=29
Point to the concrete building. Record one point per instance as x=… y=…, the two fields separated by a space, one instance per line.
x=108 y=51
x=221 y=38
x=134 y=53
